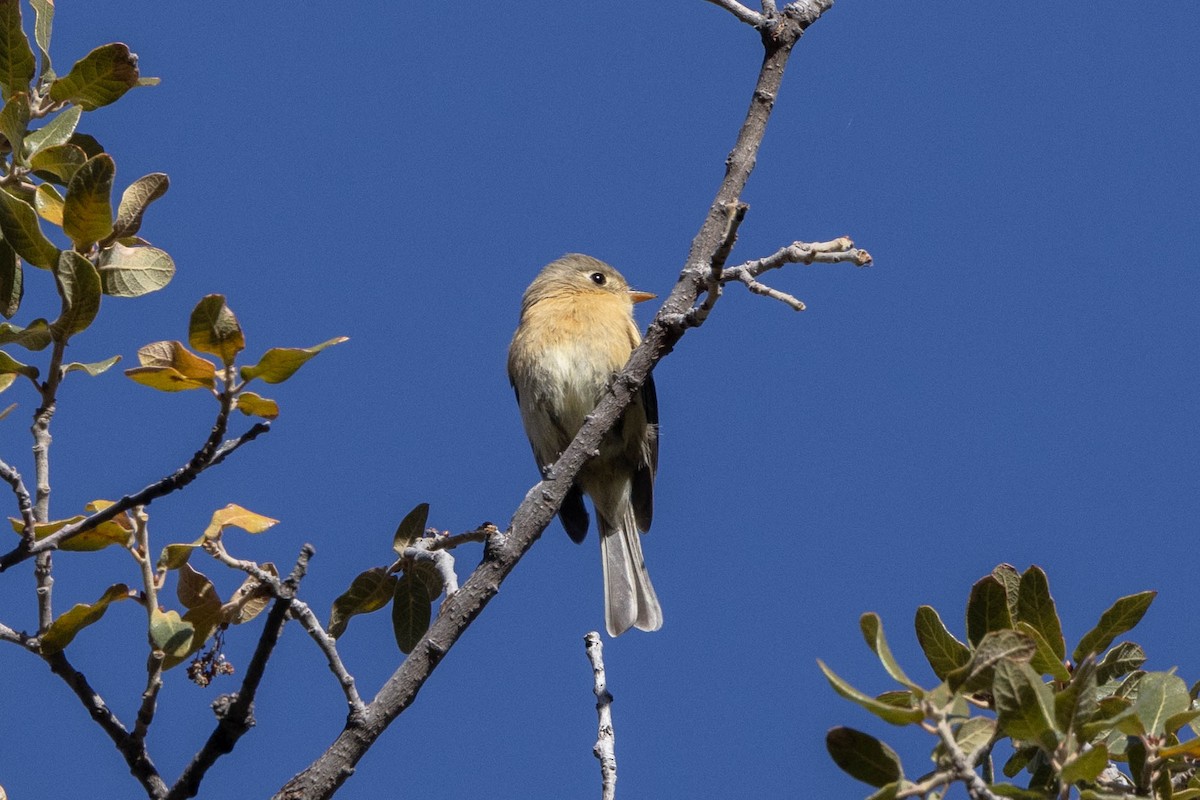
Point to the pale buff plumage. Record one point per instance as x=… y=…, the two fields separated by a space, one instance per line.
x=576 y=332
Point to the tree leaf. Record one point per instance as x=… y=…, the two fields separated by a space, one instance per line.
x=134 y=200
x=64 y=629
x=428 y=576
x=57 y=164
x=79 y=287
x=369 y=591
x=1036 y=607
x=12 y=281
x=93 y=369
x=1077 y=702
x=235 y=516
x=170 y=634
x=174 y=556
x=99 y=78
x=1010 y=579
x=213 y=329
x=87 y=210
x=20 y=228
x=280 y=363
x=863 y=757
x=103 y=535
x=198 y=595
x=10 y=366
x=134 y=271
x=250 y=599
x=1160 y=696
x=58 y=131
x=944 y=652
x=995 y=647
x=1044 y=659
x=1024 y=704
x=176 y=355
x=411 y=528
x=411 y=612
x=971 y=735
x=987 y=609
x=34 y=337
x=252 y=405
x=49 y=204
x=1120 y=661
x=16 y=56
x=42 y=25
x=872 y=631
x=888 y=713
x=14 y=123
x=164 y=379
x=1125 y=613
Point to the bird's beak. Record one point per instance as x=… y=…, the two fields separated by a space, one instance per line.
x=640 y=297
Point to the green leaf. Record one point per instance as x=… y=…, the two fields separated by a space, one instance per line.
x=943 y=650
x=16 y=56
x=87 y=143
x=198 y=595
x=134 y=200
x=995 y=647
x=10 y=366
x=93 y=369
x=175 y=556
x=863 y=757
x=43 y=24
x=58 y=163
x=12 y=281
x=14 y=122
x=79 y=287
x=369 y=591
x=87 y=210
x=213 y=329
x=872 y=631
x=64 y=629
x=170 y=634
x=1136 y=755
x=49 y=204
x=428 y=576
x=1160 y=696
x=1017 y=793
x=34 y=337
x=1044 y=660
x=1077 y=702
x=19 y=226
x=1120 y=661
x=987 y=609
x=1010 y=579
x=887 y=792
x=134 y=271
x=99 y=78
x=1024 y=704
x=1019 y=760
x=411 y=528
x=234 y=516
x=1119 y=618
x=252 y=405
x=888 y=713
x=280 y=363
x=1177 y=721
x=411 y=612
x=57 y=131
x=1036 y=607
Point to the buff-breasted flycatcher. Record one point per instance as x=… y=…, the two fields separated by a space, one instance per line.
x=576 y=332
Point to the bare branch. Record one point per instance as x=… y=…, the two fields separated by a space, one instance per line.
x=235 y=713
x=451 y=541
x=605 y=747
x=308 y=620
x=9 y=475
x=131 y=748
x=751 y=18
x=837 y=251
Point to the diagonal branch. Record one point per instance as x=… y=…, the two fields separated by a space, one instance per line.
x=746 y=15
x=213 y=452
x=502 y=551
x=235 y=713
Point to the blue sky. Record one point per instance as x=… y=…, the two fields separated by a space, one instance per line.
x=1015 y=380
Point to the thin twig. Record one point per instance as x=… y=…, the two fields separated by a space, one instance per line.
x=44 y=567
x=235 y=713
x=451 y=541
x=154 y=666
x=605 y=747
x=13 y=478
x=328 y=645
x=746 y=15
x=976 y=788
x=131 y=748
x=837 y=251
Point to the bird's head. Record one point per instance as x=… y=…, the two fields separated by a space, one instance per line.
x=578 y=275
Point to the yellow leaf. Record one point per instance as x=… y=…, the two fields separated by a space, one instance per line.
x=238 y=517
x=177 y=356
x=165 y=379
x=252 y=405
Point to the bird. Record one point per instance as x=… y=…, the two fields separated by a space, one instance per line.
x=576 y=332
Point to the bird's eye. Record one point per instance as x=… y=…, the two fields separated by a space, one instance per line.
x=598 y=278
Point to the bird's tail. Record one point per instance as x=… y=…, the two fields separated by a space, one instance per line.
x=629 y=599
